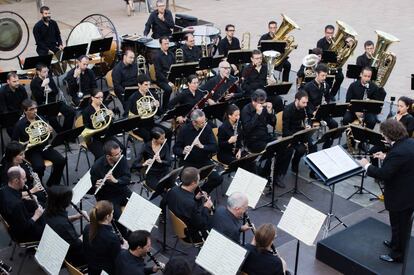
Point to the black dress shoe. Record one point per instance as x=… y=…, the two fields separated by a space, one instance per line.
x=389 y=259
x=387 y=243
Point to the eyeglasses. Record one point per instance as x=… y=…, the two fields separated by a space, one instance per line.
x=98 y=97
x=32 y=108
x=232 y=30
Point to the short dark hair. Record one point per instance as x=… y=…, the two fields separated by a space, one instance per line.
x=58 y=199
x=317 y=51
x=11 y=74
x=13 y=149
x=138 y=238
x=329 y=27
x=44 y=8
x=191 y=77
x=83 y=56
x=256 y=52
x=366 y=68
x=40 y=66
x=27 y=103
x=229 y=26
x=143 y=78
x=321 y=67
x=177 y=266
x=300 y=94
x=94 y=92
x=109 y=146
x=157 y=132
x=189 y=175
x=271 y=23
x=187 y=36
x=230 y=110
x=393 y=129
x=368 y=43
x=126 y=50
x=259 y=95
x=163 y=38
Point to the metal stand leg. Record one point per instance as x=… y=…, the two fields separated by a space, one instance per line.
x=295 y=190
x=272 y=203
x=327 y=226
x=361 y=189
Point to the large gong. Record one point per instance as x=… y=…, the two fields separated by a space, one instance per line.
x=14 y=35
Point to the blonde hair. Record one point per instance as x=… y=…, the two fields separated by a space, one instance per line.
x=97 y=215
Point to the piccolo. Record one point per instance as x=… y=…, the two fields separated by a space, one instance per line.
x=156 y=262
x=193 y=143
x=107 y=175
x=249 y=222
x=155 y=155
x=79 y=211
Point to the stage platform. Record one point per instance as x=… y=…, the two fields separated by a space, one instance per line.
x=356 y=249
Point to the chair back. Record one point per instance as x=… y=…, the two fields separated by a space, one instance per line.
x=79 y=122
x=178 y=225
x=109 y=80
x=71 y=269
x=279 y=122
x=215 y=132
x=151 y=69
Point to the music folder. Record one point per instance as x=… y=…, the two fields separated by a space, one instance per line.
x=239 y=56
x=73 y=52
x=49 y=110
x=181 y=70
x=100 y=45
x=33 y=61
x=278 y=89
x=181 y=110
x=271 y=45
x=366 y=106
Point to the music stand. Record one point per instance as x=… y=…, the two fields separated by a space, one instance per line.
x=181 y=70
x=179 y=36
x=245 y=161
x=278 y=89
x=3 y=76
x=100 y=46
x=33 y=61
x=412 y=82
x=7 y=120
x=181 y=110
x=65 y=138
x=209 y=62
x=123 y=126
x=329 y=57
x=324 y=111
x=271 y=45
x=239 y=56
x=73 y=52
x=354 y=71
x=340 y=110
x=49 y=110
x=331 y=134
x=216 y=111
x=366 y=106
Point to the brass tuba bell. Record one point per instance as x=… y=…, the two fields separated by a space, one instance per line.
x=281 y=34
x=309 y=62
x=270 y=57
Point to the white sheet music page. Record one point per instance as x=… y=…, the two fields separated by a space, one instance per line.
x=247 y=183
x=51 y=251
x=301 y=221
x=139 y=214
x=219 y=255
x=82 y=187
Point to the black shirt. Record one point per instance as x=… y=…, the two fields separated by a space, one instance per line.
x=38 y=92
x=124 y=76
x=148 y=153
x=226 y=223
x=254 y=79
x=226 y=85
x=186 y=97
x=356 y=91
x=262 y=262
x=147 y=123
x=20 y=134
x=293 y=119
x=191 y=55
x=224 y=46
x=127 y=264
x=11 y=101
x=408 y=121
x=87 y=79
x=363 y=61
x=323 y=44
x=47 y=36
x=226 y=131
x=159 y=27
x=316 y=92
x=265 y=36
x=162 y=65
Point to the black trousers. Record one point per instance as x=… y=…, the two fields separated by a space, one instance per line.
x=69 y=114
x=332 y=124
x=37 y=156
x=298 y=150
x=400 y=223
x=370 y=119
x=339 y=78
x=285 y=67
x=166 y=95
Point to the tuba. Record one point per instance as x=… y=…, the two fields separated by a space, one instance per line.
x=382 y=59
x=101 y=119
x=38 y=132
x=142 y=65
x=271 y=57
x=281 y=34
x=343 y=44
x=179 y=56
x=245 y=44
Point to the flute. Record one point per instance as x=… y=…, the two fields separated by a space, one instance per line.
x=107 y=175
x=249 y=222
x=156 y=262
x=196 y=138
x=156 y=154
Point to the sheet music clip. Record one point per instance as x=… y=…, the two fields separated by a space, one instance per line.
x=210 y=62
x=278 y=89
x=216 y=111
x=74 y=52
x=329 y=57
x=33 y=61
x=181 y=110
x=366 y=106
x=239 y=56
x=272 y=45
x=181 y=70
x=49 y=110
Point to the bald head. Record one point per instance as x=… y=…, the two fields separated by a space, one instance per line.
x=16 y=176
x=224 y=69
x=237 y=204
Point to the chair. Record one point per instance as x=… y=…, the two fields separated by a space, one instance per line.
x=48 y=163
x=180 y=228
x=72 y=270
x=82 y=145
x=279 y=122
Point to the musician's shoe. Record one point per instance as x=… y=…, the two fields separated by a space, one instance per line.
x=388 y=258
x=387 y=243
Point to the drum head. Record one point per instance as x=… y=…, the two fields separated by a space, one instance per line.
x=83 y=33
x=10 y=34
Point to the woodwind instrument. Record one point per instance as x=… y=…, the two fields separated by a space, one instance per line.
x=235 y=133
x=156 y=262
x=249 y=222
x=79 y=211
x=5 y=269
x=196 y=138
x=107 y=175
x=26 y=188
x=230 y=90
x=35 y=177
x=79 y=94
x=198 y=190
x=117 y=232
x=155 y=155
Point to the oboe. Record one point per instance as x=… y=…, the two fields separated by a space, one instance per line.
x=156 y=262
x=235 y=131
x=117 y=232
x=249 y=222
x=198 y=190
x=35 y=177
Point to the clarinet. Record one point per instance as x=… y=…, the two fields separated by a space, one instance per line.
x=249 y=222
x=5 y=268
x=235 y=131
x=198 y=190
x=156 y=262
x=35 y=177
x=79 y=211
x=306 y=120
x=117 y=232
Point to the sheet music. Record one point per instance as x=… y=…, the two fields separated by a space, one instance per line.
x=249 y=184
x=51 y=251
x=82 y=187
x=219 y=255
x=301 y=221
x=139 y=214
x=333 y=161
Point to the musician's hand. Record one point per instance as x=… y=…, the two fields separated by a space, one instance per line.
x=181 y=119
x=208 y=204
x=112 y=179
x=99 y=183
x=271 y=81
x=210 y=101
x=199 y=195
x=363 y=162
x=198 y=144
x=171 y=84
x=308 y=126
x=61 y=47
x=37 y=188
x=76 y=73
x=229 y=96
x=269 y=107
x=186 y=149
x=232 y=139
x=38 y=213
x=259 y=109
x=84 y=214
x=245 y=228
x=158 y=159
x=147 y=162
x=156 y=103
x=379 y=155
x=45 y=82
x=155 y=268
x=238 y=154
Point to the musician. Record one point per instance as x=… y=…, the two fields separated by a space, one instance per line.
x=324 y=43
x=365 y=60
x=124 y=74
x=191 y=53
x=397 y=173
x=56 y=215
x=260 y=258
x=230 y=42
x=199 y=148
x=132 y=261
x=101 y=245
x=255 y=77
x=318 y=89
x=47 y=34
x=301 y=72
x=26 y=225
x=160 y=21
x=44 y=90
x=177 y=266
x=363 y=89
x=228 y=219
x=162 y=65
x=403 y=115
x=187 y=204
x=38 y=153
x=115 y=188
x=229 y=143
x=81 y=80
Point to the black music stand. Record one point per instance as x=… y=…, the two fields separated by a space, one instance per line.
x=340 y=110
x=412 y=82
x=366 y=106
x=73 y=52
x=329 y=57
x=270 y=45
x=239 y=56
x=245 y=161
x=49 y=110
x=278 y=89
x=179 y=36
x=33 y=61
x=65 y=138
x=181 y=110
x=182 y=70
x=324 y=111
x=100 y=46
x=242 y=102
x=216 y=111
x=331 y=134
x=354 y=72
x=302 y=137
x=7 y=120
x=123 y=126
x=209 y=62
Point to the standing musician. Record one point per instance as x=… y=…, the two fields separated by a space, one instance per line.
x=187 y=204
x=318 y=89
x=56 y=215
x=301 y=72
x=160 y=21
x=100 y=243
x=124 y=74
x=81 y=80
x=39 y=152
x=363 y=89
x=260 y=259
x=44 y=90
x=162 y=65
x=365 y=59
x=47 y=34
x=397 y=173
x=191 y=53
x=324 y=43
x=198 y=147
x=227 y=219
x=230 y=42
x=229 y=136
x=255 y=77
x=132 y=261
x=26 y=224
x=285 y=66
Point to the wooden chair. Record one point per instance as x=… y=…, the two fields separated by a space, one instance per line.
x=279 y=123
x=82 y=145
x=180 y=228
x=72 y=270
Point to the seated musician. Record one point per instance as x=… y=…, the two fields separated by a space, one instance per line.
x=56 y=215
x=25 y=219
x=229 y=141
x=100 y=244
x=226 y=87
x=177 y=266
x=132 y=261
x=81 y=80
x=318 y=89
x=228 y=219
x=162 y=65
x=115 y=187
x=260 y=258
x=365 y=59
x=300 y=81
x=285 y=66
x=44 y=90
x=191 y=53
x=230 y=42
x=160 y=21
x=325 y=43
x=39 y=152
x=361 y=90
x=198 y=148
x=403 y=115
x=124 y=74
x=255 y=77
x=186 y=202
